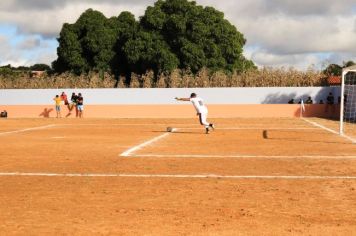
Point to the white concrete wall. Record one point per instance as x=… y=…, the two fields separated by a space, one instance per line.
x=271 y=95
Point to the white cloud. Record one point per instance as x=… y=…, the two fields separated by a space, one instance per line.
x=8 y=56
x=309 y=35
x=295 y=32
x=45 y=57
x=339 y=58
x=277 y=31
x=29 y=43
x=27 y=52
x=288 y=60
x=49 y=20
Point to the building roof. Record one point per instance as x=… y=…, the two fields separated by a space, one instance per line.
x=334 y=80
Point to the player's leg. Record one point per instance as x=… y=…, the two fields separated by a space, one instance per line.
x=57 y=111
x=202 y=119
x=80 y=109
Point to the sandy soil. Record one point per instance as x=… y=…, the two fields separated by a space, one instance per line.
x=82 y=205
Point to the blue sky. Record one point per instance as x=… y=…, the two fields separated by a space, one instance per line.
x=25 y=49
x=288 y=33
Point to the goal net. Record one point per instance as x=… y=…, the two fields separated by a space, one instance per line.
x=348 y=102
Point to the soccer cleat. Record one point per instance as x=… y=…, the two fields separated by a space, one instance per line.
x=207 y=130
x=212 y=126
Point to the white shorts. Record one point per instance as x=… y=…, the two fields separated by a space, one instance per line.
x=80 y=107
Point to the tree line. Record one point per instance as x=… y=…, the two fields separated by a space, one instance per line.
x=336 y=70
x=172 y=34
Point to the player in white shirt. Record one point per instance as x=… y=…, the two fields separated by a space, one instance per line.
x=202 y=110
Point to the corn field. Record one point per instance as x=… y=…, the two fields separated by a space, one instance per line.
x=265 y=77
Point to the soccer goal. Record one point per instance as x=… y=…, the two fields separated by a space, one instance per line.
x=348 y=102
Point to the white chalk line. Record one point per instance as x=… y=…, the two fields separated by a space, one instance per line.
x=182 y=176
x=58 y=137
x=337 y=157
x=27 y=129
x=251 y=128
x=181 y=126
x=130 y=151
x=129 y=124
x=329 y=130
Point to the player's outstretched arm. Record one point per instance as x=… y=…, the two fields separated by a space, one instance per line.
x=182 y=99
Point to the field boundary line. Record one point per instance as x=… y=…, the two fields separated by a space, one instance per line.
x=27 y=129
x=329 y=130
x=252 y=128
x=247 y=156
x=129 y=152
x=181 y=176
x=129 y=124
x=188 y=128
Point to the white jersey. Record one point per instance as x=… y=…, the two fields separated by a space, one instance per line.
x=199 y=105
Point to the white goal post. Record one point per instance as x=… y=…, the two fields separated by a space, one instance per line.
x=348 y=97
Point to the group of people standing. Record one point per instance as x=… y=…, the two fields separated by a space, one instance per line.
x=329 y=105
x=76 y=102
x=329 y=100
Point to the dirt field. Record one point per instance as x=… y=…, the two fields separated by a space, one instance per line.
x=130 y=177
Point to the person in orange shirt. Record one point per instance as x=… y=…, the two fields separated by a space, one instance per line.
x=58 y=102
x=65 y=99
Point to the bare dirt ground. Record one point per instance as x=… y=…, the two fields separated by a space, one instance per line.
x=248 y=177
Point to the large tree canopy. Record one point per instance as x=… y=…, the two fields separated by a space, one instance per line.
x=200 y=37
x=88 y=44
x=171 y=34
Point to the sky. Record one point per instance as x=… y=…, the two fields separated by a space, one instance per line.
x=280 y=33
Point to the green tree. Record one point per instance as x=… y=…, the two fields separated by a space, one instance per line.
x=70 y=52
x=40 y=67
x=333 y=69
x=199 y=37
x=86 y=45
x=172 y=34
x=97 y=38
x=348 y=64
x=126 y=28
x=149 y=51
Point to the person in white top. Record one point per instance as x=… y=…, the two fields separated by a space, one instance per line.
x=202 y=110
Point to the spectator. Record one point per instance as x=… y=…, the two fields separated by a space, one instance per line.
x=330 y=99
x=330 y=103
x=58 y=101
x=291 y=101
x=73 y=101
x=345 y=98
x=65 y=99
x=339 y=99
x=73 y=104
x=309 y=101
x=80 y=106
